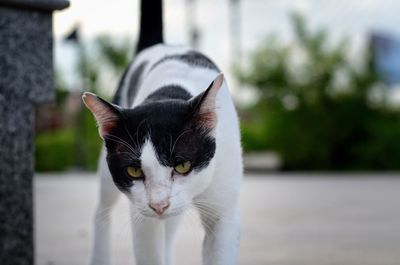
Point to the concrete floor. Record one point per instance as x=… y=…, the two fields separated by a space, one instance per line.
x=286 y=220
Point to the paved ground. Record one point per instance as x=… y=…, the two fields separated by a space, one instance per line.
x=287 y=220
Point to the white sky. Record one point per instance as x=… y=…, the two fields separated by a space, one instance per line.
x=352 y=18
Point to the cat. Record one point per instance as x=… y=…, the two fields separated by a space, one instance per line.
x=171 y=142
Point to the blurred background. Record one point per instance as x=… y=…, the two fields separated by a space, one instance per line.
x=316 y=82
x=317 y=87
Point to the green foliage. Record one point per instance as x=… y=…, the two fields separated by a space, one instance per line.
x=89 y=142
x=54 y=150
x=76 y=143
x=62 y=149
x=115 y=54
x=316 y=108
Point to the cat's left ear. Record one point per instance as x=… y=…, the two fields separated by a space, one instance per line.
x=204 y=105
x=106 y=114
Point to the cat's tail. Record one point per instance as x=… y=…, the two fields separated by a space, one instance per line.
x=151 y=24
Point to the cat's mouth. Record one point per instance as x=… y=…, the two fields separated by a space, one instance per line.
x=167 y=214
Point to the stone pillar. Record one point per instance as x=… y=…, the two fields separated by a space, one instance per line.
x=26 y=79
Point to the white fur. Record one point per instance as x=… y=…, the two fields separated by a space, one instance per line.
x=215 y=189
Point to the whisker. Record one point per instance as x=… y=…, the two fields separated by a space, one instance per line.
x=121 y=141
x=173 y=147
x=208 y=226
x=137 y=131
x=170 y=143
x=130 y=136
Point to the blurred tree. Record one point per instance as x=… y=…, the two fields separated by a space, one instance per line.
x=112 y=59
x=74 y=142
x=317 y=108
x=115 y=54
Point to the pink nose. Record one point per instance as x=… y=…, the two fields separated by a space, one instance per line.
x=160 y=207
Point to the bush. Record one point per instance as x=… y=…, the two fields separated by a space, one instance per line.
x=90 y=141
x=54 y=150
x=75 y=142
x=62 y=149
x=313 y=121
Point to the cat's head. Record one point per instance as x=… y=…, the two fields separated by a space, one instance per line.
x=160 y=153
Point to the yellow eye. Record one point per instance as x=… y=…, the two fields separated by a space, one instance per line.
x=134 y=172
x=184 y=168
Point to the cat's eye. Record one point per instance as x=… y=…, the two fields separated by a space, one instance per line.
x=134 y=172
x=183 y=168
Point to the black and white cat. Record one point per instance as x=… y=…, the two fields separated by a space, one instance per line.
x=171 y=142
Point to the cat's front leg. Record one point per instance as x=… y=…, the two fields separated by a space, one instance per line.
x=171 y=225
x=101 y=253
x=148 y=240
x=222 y=239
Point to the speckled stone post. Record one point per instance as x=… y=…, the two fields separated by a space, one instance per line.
x=26 y=79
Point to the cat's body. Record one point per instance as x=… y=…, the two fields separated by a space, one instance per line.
x=170 y=144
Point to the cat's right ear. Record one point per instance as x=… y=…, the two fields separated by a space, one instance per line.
x=106 y=114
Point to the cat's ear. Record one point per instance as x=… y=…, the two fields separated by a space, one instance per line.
x=204 y=105
x=106 y=114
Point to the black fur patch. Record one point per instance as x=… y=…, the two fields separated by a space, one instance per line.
x=172 y=127
x=134 y=82
x=132 y=86
x=169 y=92
x=191 y=58
x=118 y=94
